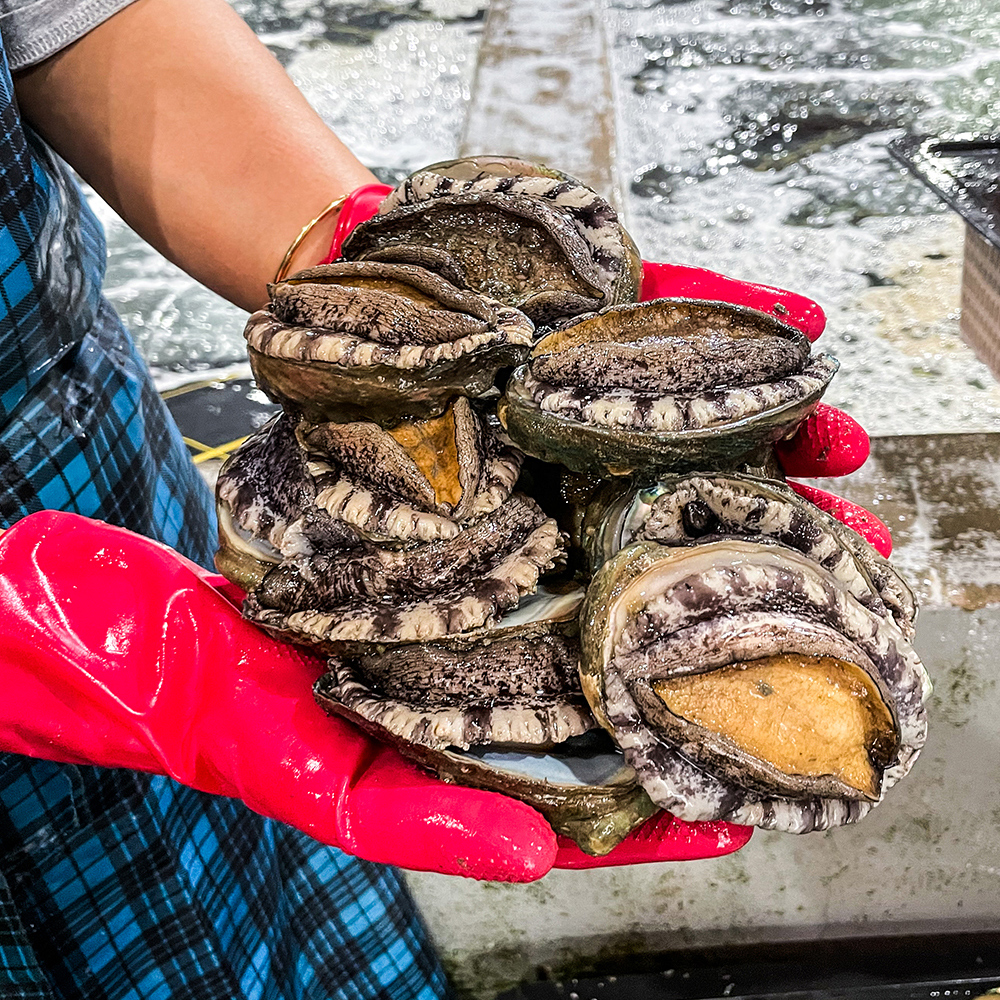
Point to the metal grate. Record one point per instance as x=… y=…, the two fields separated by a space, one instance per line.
x=917 y=967
x=963 y=172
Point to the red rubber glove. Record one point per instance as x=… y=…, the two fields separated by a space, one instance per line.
x=359 y=206
x=116 y=651
x=682 y=281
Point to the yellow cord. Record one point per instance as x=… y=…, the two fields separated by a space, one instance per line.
x=205 y=453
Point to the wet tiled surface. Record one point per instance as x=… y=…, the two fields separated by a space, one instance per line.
x=542 y=90
x=940 y=496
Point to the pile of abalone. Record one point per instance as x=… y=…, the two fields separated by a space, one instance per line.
x=512 y=505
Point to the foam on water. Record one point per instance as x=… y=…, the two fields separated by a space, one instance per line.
x=398 y=103
x=754 y=135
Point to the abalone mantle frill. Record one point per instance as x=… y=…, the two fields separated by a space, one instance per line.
x=685 y=510
x=628 y=389
x=548 y=245
x=584 y=789
x=515 y=682
x=359 y=340
x=339 y=562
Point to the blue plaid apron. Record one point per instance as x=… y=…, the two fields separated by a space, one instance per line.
x=118 y=885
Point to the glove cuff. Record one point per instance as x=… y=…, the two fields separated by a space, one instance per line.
x=349 y=210
x=359 y=206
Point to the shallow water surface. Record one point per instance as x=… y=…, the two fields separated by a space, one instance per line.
x=753 y=135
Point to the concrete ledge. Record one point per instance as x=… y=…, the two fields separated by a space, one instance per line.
x=542 y=90
x=940 y=496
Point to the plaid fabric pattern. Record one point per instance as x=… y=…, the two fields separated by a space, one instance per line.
x=94 y=437
x=120 y=885
x=124 y=886
x=49 y=283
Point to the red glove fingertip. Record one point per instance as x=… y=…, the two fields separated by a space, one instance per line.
x=827 y=443
x=359 y=206
x=863 y=521
x=402 y=816
x=662 y=837
x=681 y=280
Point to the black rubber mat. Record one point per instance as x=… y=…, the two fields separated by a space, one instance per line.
x=215 y=416
x=963 y=172
x=944 y=967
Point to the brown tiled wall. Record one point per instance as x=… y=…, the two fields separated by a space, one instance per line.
x=980 y=322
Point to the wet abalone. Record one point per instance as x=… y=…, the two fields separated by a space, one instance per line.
x=500 y=708
x=383 y=519
x=379 y=342
x=335 y=555
x=530 y=237
x=687 y=509
x=515 y=682
x=757 y=667
x=665 y=385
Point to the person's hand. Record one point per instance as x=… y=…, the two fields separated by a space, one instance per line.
x=116 y=651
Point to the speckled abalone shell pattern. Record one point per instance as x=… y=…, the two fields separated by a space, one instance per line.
x=511 y=572
x=682 y=510
x=326 y=578
x=593 y=217
x=538 y=705
x=719 y=603
x=277 y=339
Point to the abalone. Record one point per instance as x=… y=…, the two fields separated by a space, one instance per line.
x=385 y=342
x=500 y=708
x=665 y=385
x=515 y=682
x=599 y=669
x=687 y=509
x=334 y=555
x=757 y=668
x=532 y=238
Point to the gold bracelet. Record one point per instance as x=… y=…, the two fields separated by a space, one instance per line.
x=286 y=261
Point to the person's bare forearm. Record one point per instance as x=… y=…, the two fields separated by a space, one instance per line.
x=188 y=127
